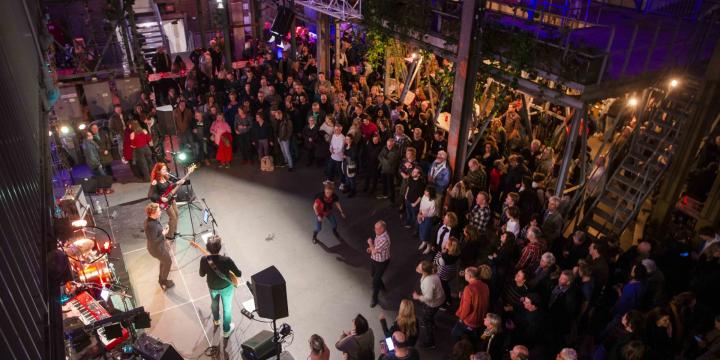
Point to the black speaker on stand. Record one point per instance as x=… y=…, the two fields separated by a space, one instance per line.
x=281 y=25
x=270 y=295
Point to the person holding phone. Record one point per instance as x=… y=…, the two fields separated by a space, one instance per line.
x=397 y=349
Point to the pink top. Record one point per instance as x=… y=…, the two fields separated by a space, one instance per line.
x=217 y=128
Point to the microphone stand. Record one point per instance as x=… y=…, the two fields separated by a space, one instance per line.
x=213 y=223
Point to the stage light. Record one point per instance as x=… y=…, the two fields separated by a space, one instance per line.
x=220 y=6
x=633 y=102
x=82 y=126
x=50 y=133
x=64 y=129
x=79 y=223
x=182 y=156
x=673 y=83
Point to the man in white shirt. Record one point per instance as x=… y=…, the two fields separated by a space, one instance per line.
x=337 y=154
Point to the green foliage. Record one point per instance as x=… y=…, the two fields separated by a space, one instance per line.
x=377 y=44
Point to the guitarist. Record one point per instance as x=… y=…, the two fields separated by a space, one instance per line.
x=160 y=182
x=218 y=268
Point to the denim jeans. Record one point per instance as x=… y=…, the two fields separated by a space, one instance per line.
x=460 y=330
x=227 y=297
x=411 y=213
x=285 y=148
x=330 y=217
x=425 y=228
x=333 y=170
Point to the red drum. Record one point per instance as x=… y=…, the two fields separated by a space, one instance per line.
x=98 y=272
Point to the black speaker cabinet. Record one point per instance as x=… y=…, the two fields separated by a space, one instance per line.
x=152 y=349
x=129 y=91
x=99 y=98
x=270 y=294
x=67 y=108
x=165 y=119
x=283 y=21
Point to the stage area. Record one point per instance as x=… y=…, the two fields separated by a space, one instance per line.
x=266 y=219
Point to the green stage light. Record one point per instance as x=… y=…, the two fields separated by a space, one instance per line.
x=182 y=156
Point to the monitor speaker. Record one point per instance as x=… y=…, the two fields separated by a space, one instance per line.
x=259 y=346
x=270 y=294
x=67 y=108
x=129 y=91
x=98 y=98
x=152 y=349
x=283 y=21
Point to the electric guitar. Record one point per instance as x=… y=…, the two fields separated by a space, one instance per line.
x=170 y=192
x=234 y=279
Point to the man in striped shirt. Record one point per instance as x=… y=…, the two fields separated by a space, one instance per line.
x=379 y=250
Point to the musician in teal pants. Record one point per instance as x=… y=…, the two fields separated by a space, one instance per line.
x=217 y=270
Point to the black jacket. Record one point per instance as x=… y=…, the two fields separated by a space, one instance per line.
x=224 y=265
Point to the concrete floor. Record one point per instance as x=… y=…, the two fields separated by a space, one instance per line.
x=266 y=219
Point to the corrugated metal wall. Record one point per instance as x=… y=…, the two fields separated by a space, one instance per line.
x=24 y=214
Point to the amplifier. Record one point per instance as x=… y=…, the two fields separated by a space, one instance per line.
x=259 y=347
x=153 y=349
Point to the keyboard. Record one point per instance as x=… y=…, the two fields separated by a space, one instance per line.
x=89 y=310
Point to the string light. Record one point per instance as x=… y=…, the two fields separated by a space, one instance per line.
x=633 y=102
x=673 y=83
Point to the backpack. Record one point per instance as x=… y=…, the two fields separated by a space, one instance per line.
x=266 y=163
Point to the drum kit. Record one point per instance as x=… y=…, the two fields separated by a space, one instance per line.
x=89 y=263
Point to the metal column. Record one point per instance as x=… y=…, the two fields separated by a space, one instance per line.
x=467 y=65
x=338 y=44
x=201 y=20
x=569 y=147
x=323 y=43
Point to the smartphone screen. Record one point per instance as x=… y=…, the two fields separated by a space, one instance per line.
x=389 y=343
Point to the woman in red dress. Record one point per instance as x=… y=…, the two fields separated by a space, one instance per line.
x=140 y=143
x=220 y=133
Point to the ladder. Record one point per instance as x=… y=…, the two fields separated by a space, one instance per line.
x=148 y=27
x=656 y=136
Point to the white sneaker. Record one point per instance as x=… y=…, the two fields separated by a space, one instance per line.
x=227 y=334
x=422 y=245
x=427 y=250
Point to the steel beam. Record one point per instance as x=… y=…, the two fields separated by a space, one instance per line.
x=467 y=65
x=569 y=147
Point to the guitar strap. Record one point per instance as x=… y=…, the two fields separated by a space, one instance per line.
x=217 y=271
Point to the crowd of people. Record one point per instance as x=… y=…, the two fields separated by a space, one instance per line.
x=493 y=245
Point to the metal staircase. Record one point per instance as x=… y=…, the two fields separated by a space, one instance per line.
x=148 y=27
x=666 y=113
